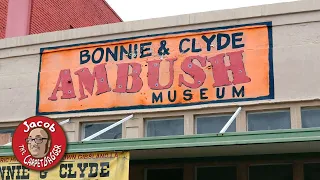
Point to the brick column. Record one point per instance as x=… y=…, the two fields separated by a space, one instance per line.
x=18 y=18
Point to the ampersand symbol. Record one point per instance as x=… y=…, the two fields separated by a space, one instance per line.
x=163 y=50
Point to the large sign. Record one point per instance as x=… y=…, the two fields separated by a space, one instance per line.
x=95 y=166
x=214 y=65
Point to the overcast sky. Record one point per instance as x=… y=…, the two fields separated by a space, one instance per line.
x=130 y=10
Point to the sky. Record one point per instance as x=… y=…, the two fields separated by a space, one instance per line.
x=130 y=10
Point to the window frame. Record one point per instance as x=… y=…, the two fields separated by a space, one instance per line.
x=213 y=166
x=307 y=163
x=266 y=111
x=82 y=126
x=145 y=174
x=146 y=120
x=307 y=108
x=270 y=164
x=8 y=128
x=196 y=116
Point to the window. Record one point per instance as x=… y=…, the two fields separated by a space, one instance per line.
x=311 y=171
x=7 y=131
x=91 y=128
x=167 y=174
x=165 y=127
x=269 y=120
x=213 y=124
x=310 y=117
x=225 y=173
x=274 y=172
x=5 y=137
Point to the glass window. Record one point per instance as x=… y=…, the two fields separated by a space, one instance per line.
x=7 y=131
x=165 y=127
x=4 y=138
x=213 y=124
x=225 y=173
x=269 y=120
x=312 y=171
x=274 y=172
x=310 y=117
x=164 y=174
x=91 y=128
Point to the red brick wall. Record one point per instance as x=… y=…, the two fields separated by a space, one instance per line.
x=3 y=17
x=55 y=15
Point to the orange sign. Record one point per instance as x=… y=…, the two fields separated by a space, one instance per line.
x=213 y=65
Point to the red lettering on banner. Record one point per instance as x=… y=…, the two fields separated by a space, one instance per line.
x=66 y=86
x=220 y=70
x=194 y=71
x=154 y=74
x=133 y=70
x=86 y=80
x=122 y=78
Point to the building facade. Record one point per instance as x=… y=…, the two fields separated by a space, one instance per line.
x=182 y=78
x=20 y=18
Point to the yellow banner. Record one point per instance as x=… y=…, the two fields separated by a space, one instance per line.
x=97 y=166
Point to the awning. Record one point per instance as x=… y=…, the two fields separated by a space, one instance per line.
x=238 y=143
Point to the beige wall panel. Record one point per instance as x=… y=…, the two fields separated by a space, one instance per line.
x=132 y=132
x=70 y=136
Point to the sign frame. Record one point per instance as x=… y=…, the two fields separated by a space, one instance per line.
x=268 y=25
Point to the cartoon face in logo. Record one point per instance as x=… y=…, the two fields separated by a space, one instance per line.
x=39 y=142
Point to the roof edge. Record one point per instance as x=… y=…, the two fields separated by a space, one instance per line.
x=115 y=13
x=165 y=22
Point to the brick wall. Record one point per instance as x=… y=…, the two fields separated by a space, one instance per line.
x=55 y=15
x=3 y=17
